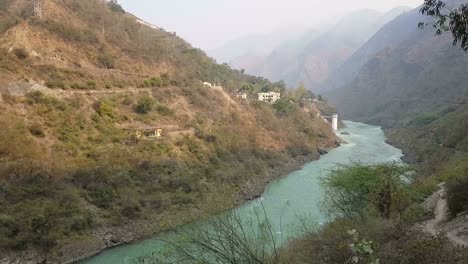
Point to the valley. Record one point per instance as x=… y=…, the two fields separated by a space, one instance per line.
x=121 y=142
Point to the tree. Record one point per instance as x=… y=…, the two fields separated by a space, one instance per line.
x=352 y=190
x=248 y=87
x=115 y=6
x=145 y=105
x=300 y=92
x=448 y=20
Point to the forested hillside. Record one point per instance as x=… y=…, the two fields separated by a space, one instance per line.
x=79 y=83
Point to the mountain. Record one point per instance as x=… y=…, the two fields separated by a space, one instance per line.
x=390 y=35
x=414 y=70
x=328 y=52
x=109 y=135
x=283 y=63
x=312 y=57
x=415 y=86
x=256 y=44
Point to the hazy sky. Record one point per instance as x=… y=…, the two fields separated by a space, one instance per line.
x=210 y=23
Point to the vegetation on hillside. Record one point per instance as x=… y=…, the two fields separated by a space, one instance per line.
x=71 y=164
x=373 y=210
x=385 y=239
x=431 y=129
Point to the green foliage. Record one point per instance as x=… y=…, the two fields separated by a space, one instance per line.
x=352 y=190
x=55 y=84
x=284 y=107
x=162 y=81
x=363 y=250
x=39 y=212
x=448 y=19
x=424 y=119
x=145 y=105
x=164 y=110
x=105 y=109
x=115 y=7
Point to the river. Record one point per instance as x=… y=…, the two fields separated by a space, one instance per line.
x=293 y=198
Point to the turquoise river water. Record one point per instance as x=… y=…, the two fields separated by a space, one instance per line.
x=289 y=200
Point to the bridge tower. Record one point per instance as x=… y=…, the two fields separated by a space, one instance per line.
x=335 y=122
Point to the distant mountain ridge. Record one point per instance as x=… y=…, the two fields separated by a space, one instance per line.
x=405 y=70
x=310 y=58
x=257 y=44
x=390 y=35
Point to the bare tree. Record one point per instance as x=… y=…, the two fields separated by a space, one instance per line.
x=229 y=239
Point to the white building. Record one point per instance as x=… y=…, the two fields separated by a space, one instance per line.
x=270 y=97
x=207 y=84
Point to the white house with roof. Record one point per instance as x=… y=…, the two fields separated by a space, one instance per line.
x=269 y=97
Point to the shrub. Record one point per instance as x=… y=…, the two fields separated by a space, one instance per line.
x=164 y=110
x=427 y=251
x=37 y=130
x=104 y=108
x=284 y=107
x=457 y=195
x=103 y=198
x=78 y=86
x=423 y=119
x=39 y=212
x=351 y=190
x=162 y=81
x=21 y=53
x=127 y=101
x=106 y=61
x=91 y=85
x=55 y=84
x=145 y=105
x=35 y=96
